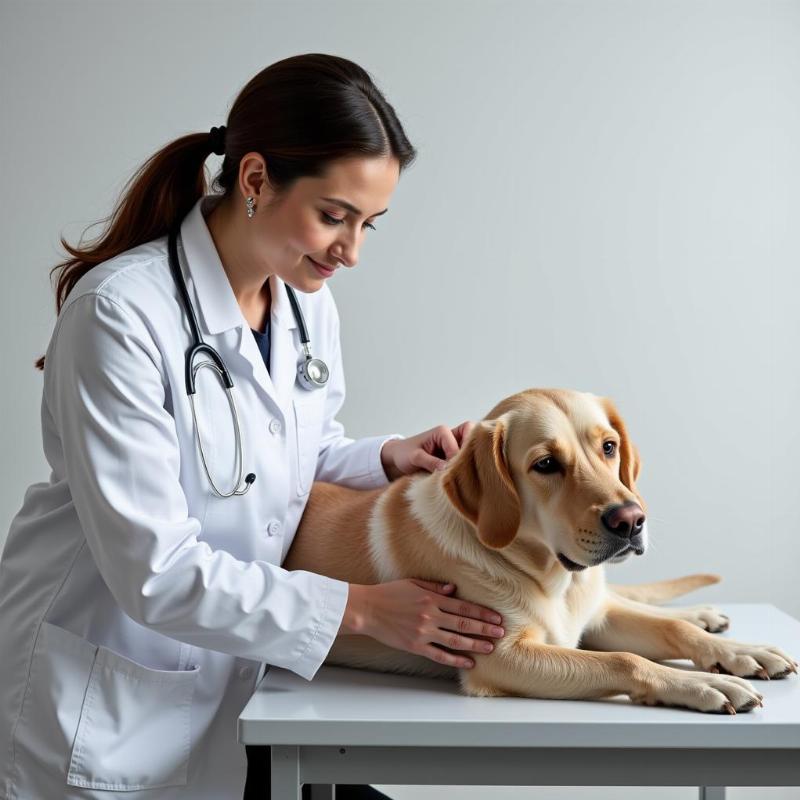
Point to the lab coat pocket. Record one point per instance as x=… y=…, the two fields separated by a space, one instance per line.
x=60 y=669
x=134 y=727
x=308 y=414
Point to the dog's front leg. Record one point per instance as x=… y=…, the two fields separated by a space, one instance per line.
x=657 y=637
x=706 y=617
x=525 y=667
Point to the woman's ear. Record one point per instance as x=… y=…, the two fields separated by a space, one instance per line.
x=478 y=483
x=630 y=462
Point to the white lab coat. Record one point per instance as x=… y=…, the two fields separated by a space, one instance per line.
x=136 y=607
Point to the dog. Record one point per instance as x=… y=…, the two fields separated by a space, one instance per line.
x=541 y=494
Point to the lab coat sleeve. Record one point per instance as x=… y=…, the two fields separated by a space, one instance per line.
x=355 y=463
x=105 y=390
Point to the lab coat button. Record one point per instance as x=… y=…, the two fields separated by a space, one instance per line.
x=275 y=426
x=245 y=673
x=273 y=528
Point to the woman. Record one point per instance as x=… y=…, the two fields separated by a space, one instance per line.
x=140 y=587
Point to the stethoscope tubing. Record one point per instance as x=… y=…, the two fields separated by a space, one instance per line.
x=315 y=378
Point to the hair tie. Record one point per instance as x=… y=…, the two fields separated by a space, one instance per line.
x=218 y=140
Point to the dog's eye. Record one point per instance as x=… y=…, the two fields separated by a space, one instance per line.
x=609 y=448
x=547 y=466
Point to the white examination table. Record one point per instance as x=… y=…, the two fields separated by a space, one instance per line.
x=354 y=726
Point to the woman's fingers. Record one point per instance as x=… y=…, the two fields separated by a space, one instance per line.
x=443 y=657
x=455 y=641
x=433 y=586
x=450 y=622
x=465 y=625
x=451 y=631
x=462 y=615
x=464 y=608
x=463 y=431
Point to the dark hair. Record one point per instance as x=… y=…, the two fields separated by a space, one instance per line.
x=300 y=114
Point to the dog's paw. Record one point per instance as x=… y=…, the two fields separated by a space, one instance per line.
x=747 y=660
x=700 y=691
x=706 y=617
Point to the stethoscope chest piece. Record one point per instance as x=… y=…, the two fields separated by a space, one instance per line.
x=312 y=373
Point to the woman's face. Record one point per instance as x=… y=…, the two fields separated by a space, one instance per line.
x=312 y=223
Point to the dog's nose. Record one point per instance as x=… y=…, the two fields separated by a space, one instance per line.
x=626 y=520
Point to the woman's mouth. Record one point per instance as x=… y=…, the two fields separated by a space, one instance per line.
x=324 y=271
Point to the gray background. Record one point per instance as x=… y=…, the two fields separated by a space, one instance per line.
x=606 y=199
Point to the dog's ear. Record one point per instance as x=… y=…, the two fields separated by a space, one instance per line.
x=630 y=462
x=479 y=484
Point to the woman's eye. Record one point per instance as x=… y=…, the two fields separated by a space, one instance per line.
x=336 y=221
x=547 y=466
x=609 y=448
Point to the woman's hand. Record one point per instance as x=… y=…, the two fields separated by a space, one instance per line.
x=413 y=615
x=426 y=451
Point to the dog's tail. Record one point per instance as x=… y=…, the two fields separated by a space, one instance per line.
x=661 y=591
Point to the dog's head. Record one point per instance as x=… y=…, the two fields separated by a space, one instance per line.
x=556 y=467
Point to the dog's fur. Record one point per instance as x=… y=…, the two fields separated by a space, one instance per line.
x=533 y=483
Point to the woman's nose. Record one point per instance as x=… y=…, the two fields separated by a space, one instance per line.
x=346 y=252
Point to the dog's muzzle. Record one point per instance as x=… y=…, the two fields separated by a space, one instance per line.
x=614 y=554
x=624 y=533
x=625 y=553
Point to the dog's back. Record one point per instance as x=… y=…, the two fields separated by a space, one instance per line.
x=332 y=538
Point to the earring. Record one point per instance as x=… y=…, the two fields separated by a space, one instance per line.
x=250 y=207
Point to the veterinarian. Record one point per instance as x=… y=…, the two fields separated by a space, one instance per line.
x=191 y=387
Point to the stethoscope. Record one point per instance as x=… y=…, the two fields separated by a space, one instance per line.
x=312 y=373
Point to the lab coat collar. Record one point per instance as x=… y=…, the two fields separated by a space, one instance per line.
x=221 y=312
x=217 y=303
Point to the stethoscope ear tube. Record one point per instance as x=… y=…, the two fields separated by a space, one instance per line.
x=298 y=315
x=174 y=265
x=215 y=357
x=218 y=365
x=198 y=345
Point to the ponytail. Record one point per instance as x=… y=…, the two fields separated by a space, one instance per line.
x=162 y=191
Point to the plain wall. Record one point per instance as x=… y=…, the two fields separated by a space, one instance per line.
x=606 y=199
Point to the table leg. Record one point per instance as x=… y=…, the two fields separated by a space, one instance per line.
x=712 y=793
x=285 y=773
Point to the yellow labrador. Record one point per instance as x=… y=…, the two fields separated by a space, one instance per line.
x=540 y=496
